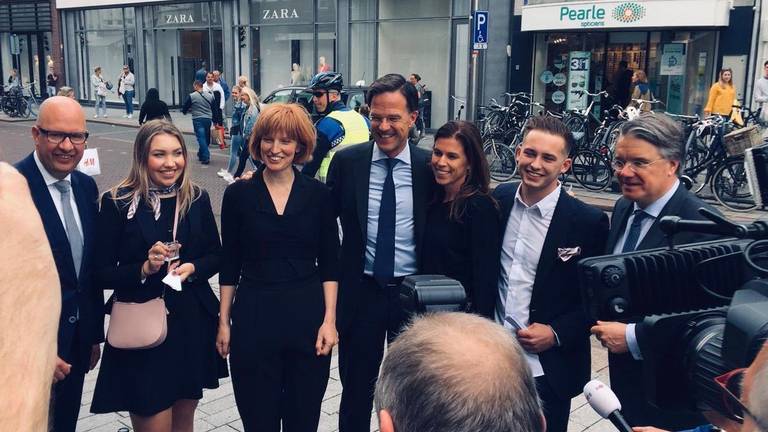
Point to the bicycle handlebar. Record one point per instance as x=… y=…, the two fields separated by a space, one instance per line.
x=583 y=92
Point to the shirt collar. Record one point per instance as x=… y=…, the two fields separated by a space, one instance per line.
x=655 y=208
x=47 y=177
x=404 y=156
x=546 y=205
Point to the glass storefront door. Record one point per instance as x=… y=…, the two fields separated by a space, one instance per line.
x=180 y=54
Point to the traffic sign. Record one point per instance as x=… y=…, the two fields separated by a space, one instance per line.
x=480 y=30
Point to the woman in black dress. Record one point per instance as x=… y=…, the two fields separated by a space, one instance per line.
x=281 y=243
x=153 y=108
x=463 y=227
x=160 y=387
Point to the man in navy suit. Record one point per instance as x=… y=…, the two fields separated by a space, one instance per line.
x=67 y=203
x=546 y=232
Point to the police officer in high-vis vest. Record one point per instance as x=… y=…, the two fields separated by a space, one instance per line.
x=338 y=127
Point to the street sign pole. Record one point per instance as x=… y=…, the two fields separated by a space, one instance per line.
x=478 y=45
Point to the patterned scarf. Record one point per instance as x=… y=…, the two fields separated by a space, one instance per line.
x=154 y=199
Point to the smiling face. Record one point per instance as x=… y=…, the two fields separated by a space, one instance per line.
x=650 y=183
x=236 y=94
x=165 y=163
x=727 y=76
x=391 y=121
x=450 y=164
x=541 y=158
x=278 y=151
x=59 y=114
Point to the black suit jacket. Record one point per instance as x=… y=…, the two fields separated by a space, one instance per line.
x=556 y=299
x=348 y=178
x=123 y=246
x=79 y=293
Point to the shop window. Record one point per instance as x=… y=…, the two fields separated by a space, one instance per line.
x=279 y=47
x=362 y=53
x=461 y=8
x=326 y=47
x=326 y=11
x=421 y=56
x=104 y=19
x=105 y=49
x=413 y=9
x=362 y=9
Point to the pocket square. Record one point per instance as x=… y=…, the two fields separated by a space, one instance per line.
x=567 y=253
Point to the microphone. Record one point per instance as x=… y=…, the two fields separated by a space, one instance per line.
x=604 y=401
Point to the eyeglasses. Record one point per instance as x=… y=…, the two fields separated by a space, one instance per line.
x=730 y=387
x=634 y=165
x=56 y=137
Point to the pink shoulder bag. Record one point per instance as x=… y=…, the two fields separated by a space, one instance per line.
x=135 y=326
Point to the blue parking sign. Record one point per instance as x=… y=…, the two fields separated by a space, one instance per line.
x=480 y=30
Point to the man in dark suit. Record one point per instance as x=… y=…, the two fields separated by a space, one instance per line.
x=547 y=232
x=67 y=203
x=646 y=162
x=381 y=190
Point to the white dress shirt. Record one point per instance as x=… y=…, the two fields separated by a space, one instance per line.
x=524 y=237
x=216 y=87
x=56 y=195
x=653 y=210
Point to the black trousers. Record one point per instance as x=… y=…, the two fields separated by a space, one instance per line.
x=67 y=393
x=277 y=376
x=556 y=409
x=378 y=317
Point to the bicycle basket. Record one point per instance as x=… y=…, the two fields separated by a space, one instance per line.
x=738 y=141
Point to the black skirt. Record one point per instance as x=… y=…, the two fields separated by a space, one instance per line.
x=148 y=381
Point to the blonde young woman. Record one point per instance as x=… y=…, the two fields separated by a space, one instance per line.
x=160 y=387
x=100 y=90
x=722 y=95
x=641 y=91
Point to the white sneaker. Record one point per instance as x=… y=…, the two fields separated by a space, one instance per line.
x=221 y=172
x=105 y=116
x=125 y=115
x=95 y=116
x=130 y=115
x=228 y=177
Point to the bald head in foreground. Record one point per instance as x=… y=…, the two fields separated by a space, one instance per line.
x=457 y=372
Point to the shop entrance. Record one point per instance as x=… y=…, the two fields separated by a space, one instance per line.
x=32 y=59
x=180 y=53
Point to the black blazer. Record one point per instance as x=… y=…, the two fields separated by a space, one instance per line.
x=556 y=299
x=123 y=246
x=78 y=293
x=348 y=178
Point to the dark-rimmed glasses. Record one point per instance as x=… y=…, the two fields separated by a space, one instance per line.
x=56 y=137
x=730 y=388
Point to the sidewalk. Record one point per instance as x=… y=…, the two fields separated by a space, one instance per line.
x=115 y=117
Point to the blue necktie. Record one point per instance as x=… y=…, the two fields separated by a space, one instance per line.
x=384 y=261
x=630 y=244
x=73 y=234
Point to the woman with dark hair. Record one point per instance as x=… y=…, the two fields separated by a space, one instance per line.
x=463 y=224
x=153 y=108
x=157 y=222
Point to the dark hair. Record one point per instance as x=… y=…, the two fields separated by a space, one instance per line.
x=417 y=76
x=478 y=178
x=394 y=83
x=765 y=64
x=552 y=126
x=623 y=63
x=152 y=95
x=197 y=83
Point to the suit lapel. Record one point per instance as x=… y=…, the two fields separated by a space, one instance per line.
x=655 y=237
x=419 y=189
x=556 y=235
x=618 y=225
x=362 y=176
x=507 y=203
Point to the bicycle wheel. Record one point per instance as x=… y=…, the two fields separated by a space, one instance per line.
x=591 y=170
x=612 y=136
x=33 y=107
x=578 y=129
x=501 y=160
x=729 y=184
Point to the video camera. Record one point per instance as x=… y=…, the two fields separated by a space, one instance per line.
x=702 y=309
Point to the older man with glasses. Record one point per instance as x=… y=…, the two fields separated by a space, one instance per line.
x=646 y=162
x=67 y=203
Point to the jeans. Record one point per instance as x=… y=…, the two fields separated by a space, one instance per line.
x=202 y=128
x=101 y=101
x=128 y=99
x=236 y=145
x=51 y=90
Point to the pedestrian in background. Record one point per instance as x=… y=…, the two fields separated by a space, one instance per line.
x=100 y=87
x=199 y=104
x=641 y=91
x=463 y=220
x=155 y=204
x=252 y=111
x=201 y=73
x=125 y=89
x=51 y=80
x=281 y=244
x=761 y=95
x=217 y=114
x=67 y=91
x=242 y=81
x=235 y=134
x=153 y=108
x=722 y=95
x=13 y=79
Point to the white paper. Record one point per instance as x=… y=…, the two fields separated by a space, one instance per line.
x=89 y=164
x=173 y=281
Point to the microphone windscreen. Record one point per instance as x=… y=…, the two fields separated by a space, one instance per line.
x=601 y=398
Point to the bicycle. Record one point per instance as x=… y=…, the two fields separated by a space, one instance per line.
x=13 y=103
x=28 y=92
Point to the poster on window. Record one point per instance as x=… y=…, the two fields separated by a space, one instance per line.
x=673 y=59
x=578 y=79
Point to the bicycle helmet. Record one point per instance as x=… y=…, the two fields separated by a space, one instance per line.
x=327 y=81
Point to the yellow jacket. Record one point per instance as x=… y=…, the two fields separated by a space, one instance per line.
x=721 y=99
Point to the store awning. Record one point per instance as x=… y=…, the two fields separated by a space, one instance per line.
x=597 y=15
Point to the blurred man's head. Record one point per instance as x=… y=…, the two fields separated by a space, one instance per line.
x=755 y=393
x=457 y=372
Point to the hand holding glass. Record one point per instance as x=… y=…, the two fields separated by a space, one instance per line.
x=173 y=251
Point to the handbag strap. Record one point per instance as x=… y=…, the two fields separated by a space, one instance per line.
x=176 y=216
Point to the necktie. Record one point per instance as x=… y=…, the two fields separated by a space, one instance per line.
x=73 y=234
x=634 y=231
x=384 y=261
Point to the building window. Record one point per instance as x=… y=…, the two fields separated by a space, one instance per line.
x=393 y=9
x=362 y=52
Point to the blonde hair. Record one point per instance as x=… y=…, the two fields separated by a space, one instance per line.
x=254 y=98
x=641 y=76
x=137 y=182
x=720 y=77
x=290 y=119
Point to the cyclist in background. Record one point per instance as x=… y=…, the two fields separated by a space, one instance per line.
x=338 y=127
